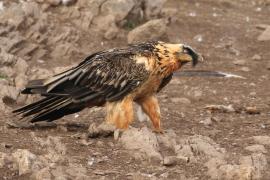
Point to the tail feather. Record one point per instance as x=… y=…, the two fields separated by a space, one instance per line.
x=40 y=107
x=49 y=109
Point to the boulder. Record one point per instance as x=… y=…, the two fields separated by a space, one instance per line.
x=151 y=30
x=143 y=143
x=153 y=8
x=117 y=8
x=27 y=161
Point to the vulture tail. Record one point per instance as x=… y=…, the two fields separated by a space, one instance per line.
x=49 y=109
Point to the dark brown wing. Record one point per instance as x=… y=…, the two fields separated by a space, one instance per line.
x=106 y=76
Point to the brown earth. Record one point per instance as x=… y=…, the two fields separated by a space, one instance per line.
x=226 y=33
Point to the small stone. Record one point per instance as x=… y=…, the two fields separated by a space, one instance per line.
x=264 y=140
x=268 y=66
x=111 y=33
x=256 y=148
x=116 y=134
x=20 y=81
x=54 y=2
x=21 y=66
x=5 y=160
x=265 y=35
x=25 y=160
x=220 y=108
x=253 y=94
x=245 y=69
x=256 y=57
x=240 y=62
x=198 y=93
x=8 y=145
x=43 y=174
x=181 y=100
x=252 y=110
x=207 y=121
x=170 y=161
x=100 y=144
x=68 y=2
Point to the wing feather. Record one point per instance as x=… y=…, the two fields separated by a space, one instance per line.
x=108 y=77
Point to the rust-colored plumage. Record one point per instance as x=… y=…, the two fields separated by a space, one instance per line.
x=115 y=78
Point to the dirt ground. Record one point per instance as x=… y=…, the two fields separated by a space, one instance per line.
x=226 y=33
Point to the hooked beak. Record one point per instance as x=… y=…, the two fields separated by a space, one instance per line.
x=189 y=55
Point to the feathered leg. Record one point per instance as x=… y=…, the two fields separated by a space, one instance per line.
x=150 y=107
x=120 y=113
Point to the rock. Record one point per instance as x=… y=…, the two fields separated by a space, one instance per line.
x=151 y=30
x=68 y=2
x=21 y=67
x=256 y=148
x=181 y=100
x=27 y=161
x=208 y=121
x=152 y=9
x=240 y=62
x=256 y=57
x=54 y=2
x=252 y=110
x=170 y=13
x=7 y=59
x=59 y=173
x=76 y=171
x=268 y=66
x=205 y=145
x=43 y=174
x=258 y=162
x=86 y=20
x=20 y=81
x=265 y=35
x=6 y=160
x=245 y=69
x=117 y=8
x=220 y=108
x=142 y=142
x=103 y=130
x=108 y=21
x=168 y=139
x=9 y=91
x=264 y=140
x=219 y=169
x=198 y=38
x=111 y=33
x=170 y=161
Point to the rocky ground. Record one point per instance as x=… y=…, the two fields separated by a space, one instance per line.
x=216 y=128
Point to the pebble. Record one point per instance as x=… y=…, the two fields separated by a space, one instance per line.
x=245 y=69
x=264 y=140
x=181 y=100
x=170 y=161
x=265 y=35
x=256 y=148
x=256 y=57
x=252 y=110
x=239 y=62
